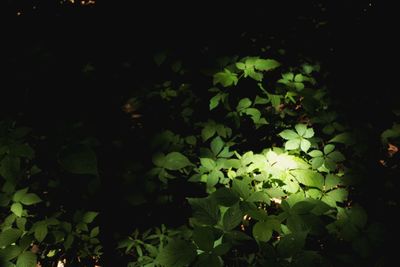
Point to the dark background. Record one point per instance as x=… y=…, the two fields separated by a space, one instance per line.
x=45 y=49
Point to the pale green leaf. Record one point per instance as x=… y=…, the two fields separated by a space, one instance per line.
x=208 y=163
x=305 y=145
x=266 y=64
x=292 y=144
x=30 y=199
x=309 y=133
x=315 y=153
x=226 y=78
x=309 y=178
x=331 y=181
x=288 y=134
x=17 y=209
x=301 y=129
x=214 y=101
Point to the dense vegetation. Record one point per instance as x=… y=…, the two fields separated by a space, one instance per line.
x=249 y=152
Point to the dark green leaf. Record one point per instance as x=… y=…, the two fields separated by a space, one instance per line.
x=9 y=253
x=209 y=260
x=216 y=145
x=242 y=188
x=205 y=210
x=358 y=216
x=208 y=131
x=291 y=244
x=317 y=162
x=259 y=196
x=208 y=163
x=344 y=138
x=89 y=216
x=26 y=259
x=337 y=195
x=222 y=249
x=79 y=159
x=225 y=197
x=41 y=231
x=262 y=231
x=232 y=217
x=328 y=148
x=10 y=168
x=302 y=207
x=204 y=238
x=336 y=156
x=94 y=232
x=176 y=161
x=177 y=253
x=9 y=236
x=331 y=181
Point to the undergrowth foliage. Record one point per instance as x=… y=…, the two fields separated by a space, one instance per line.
x=274 y=162
x=273 y=167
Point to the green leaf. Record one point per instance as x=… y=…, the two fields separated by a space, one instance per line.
x=9 y=253
x=337 y=195
x=30 y=199
x=10 y=168
x=309 y=133
x=94 y=232
x=21 y=223
x=9 y=236
x=300 y=78
x=78 y=159
x=316 y=153
x=68 y=241
x=216 y=145
x=225 y=197
x=159 y=58
x=22 y=150
x=177 y=253
x=291 y=244
x=262 y=231
x=328 y=148
x=89 y=216
x=331 y=181
x=309 y=178
x=213 y=178
x=301 y=129
x=204 y=238
x=302 y=207
x=254 y=113
x=344 y=138
x=288 y=134
x=209 y=260
x=259 y=196
x=266 y=64
x=226 y=78
x=205 y=210
x=19 y=194
x=41 y=231
x=358 y=216
x=17 y=209
x=208 y=163
x=243 y=103
x=26 y=259
x=336 y=156
x=242 y=188
x=305 y=145
x=292 y=144
x=240 y=65
x=275 y=100
x=176 y=161
x=232 y=217
x=214 y=101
